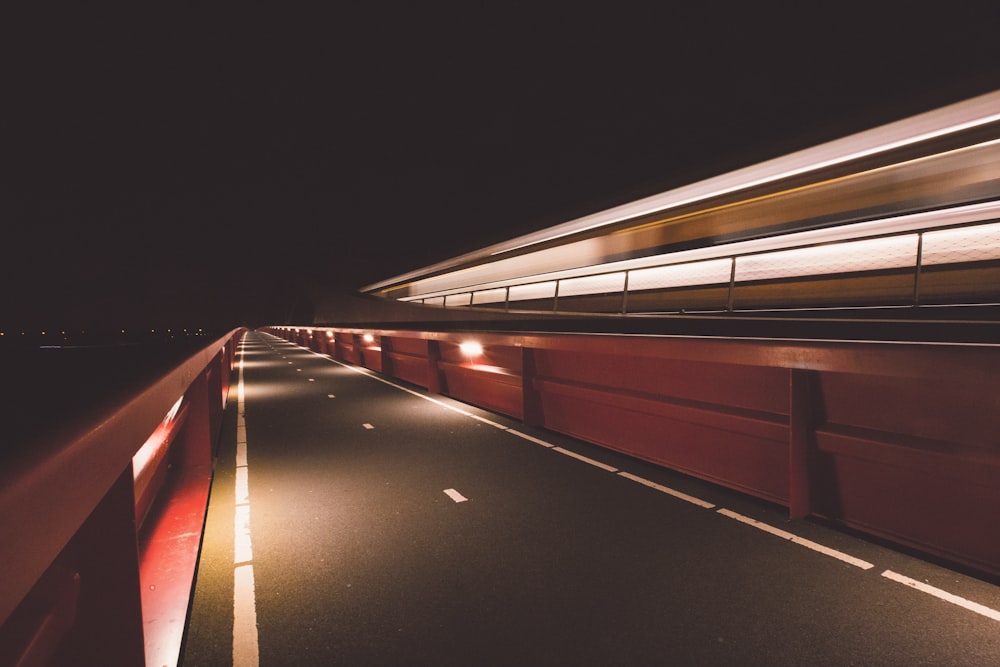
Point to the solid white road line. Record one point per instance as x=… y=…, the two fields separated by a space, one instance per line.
x=801 y=541
x=943 y=595
x=487 y=421
x=242 y=548
x=368 y=426
x=455 y=495
x=666 y=489
x=581 y=457
x=529 y=438
x=245 y=644
x=242 y=486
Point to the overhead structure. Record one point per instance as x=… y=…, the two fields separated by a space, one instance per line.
x=906 y=214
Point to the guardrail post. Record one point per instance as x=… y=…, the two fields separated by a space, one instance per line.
x=109 y=629
x=435 y=381
x=530 y=397
x=196 y=438
x=625 y=295
x=918 y=266
x=386 y=344
x=802 y=417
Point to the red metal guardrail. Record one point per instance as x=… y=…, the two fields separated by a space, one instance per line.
x=897 y=440
x=101 y=525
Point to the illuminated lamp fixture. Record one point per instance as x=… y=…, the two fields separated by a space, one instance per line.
x=471 y=348
x=368 y=338
x=329 y=334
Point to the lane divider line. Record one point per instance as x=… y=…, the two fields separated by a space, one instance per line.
x=795 y=539
x=943 y=595
x=581 y=457
x=529 y=438
x=246 y=649
x=368 y=426
x=455 y=495
x=791 y=537
x=487 y=421
x=666 y=489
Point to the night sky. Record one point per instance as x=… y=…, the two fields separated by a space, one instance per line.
x=211 y=168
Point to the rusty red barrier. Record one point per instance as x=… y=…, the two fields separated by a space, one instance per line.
x=99 y=547
x=897 y=440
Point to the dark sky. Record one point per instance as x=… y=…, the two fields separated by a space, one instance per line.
x=188 y=167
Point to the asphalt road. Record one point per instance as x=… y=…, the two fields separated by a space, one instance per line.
x=389 y=529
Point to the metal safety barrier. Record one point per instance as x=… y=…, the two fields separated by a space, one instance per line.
x=101 y=524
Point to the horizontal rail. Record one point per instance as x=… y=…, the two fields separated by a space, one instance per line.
x=71 y=503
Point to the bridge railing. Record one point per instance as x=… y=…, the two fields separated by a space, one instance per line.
x=936 y=257
x=897 y=440
x=101 y=526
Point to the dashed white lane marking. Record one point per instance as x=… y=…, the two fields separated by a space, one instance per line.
x=801 y=541
x=245 y=646
x=312 y=379
x=330 y=396
x=246 y=651
x=455 y=495
x=487 y=421
x=795 y=539
x=368 y=426
x=242 y=548
x=666 y=489
x=943 y=595
x=537 y=441
x=242 y=486
x=581 y=457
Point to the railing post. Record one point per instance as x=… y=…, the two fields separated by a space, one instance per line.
x=386 y=344
x=625 y=295
x=732 y=285
x=196 y=440
x=802 y=417
x=109 y=629
x=531 y=398
x=917 y=269
x=435 y=383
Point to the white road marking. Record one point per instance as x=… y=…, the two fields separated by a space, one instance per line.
x=667 y=490
x=242 y=547
x=312 y=380
x=245 y=647
x=801 y=541
x=943 y=595
x=581 y=457
x=245 y=642
x=368 y=426
x=487 y=421
x=455 y=495
x=529 y=438
x=242 y=485
x=330 y=396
